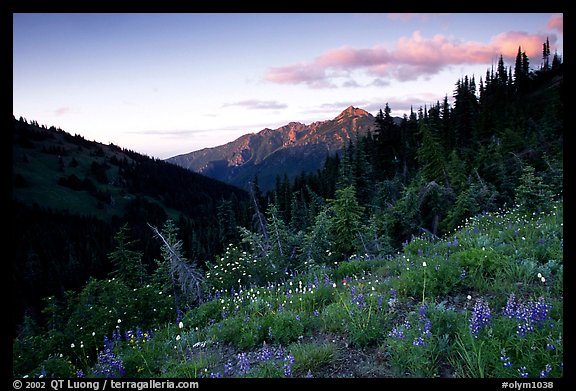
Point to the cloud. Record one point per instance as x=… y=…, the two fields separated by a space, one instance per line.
x=254 y=104
x=556 y=22
x=62 y=111
x=411 y=58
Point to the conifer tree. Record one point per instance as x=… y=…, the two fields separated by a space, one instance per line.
x=346 y=221
x=126 y=261
x=431 y=155
x=183 y=278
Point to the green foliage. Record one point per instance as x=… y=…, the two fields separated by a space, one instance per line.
x=312 y=356
x=346 y=221
x=411 y=347
x=532 y=193
x=127 y=262
x=234 y=268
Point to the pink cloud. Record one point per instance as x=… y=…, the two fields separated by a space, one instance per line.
x=507 y=44
x=411 y=58
x=62 y=111
x=556 y=22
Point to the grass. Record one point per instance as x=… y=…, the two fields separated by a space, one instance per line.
x=414 y=314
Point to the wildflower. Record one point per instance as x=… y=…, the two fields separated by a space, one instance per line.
x=511 y=306
x=72 y=345
x=178 y=337
x=481 y=316
x=288 y=362
x=397 y=332
x=243 y=364
x=422 y=312
x=109 y=365
x=546 y=371
x=80 y=374
x=265 y=354
x=228 y=369
x=522 y=372
x=424 y=264
x=505 y=359
x=180 y=325
x=419 y=341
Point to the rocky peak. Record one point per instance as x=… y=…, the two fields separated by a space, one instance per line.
x=352 y=112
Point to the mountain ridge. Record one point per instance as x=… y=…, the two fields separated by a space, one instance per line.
x=288 y=149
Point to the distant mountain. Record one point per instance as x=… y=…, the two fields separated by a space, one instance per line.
x=290 y=149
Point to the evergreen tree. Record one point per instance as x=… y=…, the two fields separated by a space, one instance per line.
x=387 y=140
x=318 y=240
x=174 y=272
x=126 y=261
x=431 y=155
x=532 y=193
x=346 y=221
x=546 y=55
x=227 y=224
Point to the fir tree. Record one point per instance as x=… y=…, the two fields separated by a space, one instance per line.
x=346 y=221
x=126 y=261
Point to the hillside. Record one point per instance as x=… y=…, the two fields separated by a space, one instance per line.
x=290 y=149
x=70 y=196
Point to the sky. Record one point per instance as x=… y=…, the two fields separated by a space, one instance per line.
x=166 y=84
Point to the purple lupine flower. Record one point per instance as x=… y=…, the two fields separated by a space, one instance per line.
x=243 y=364
x=505 y=359
x=80 y=374
x=541 y=241
x=288 y=362
x=528 y=315
x=546 y=371
x=523 y=372
x=265 y=354
x=511 y=307
x=228 y=369
x=539 y=311
x=419 y=341
x=422 y=312
x=481 y=316
x=397 y=332
x=109 y=365
x=116 y=336
x=214 y=375
x=357 y=299
x=427 y=327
